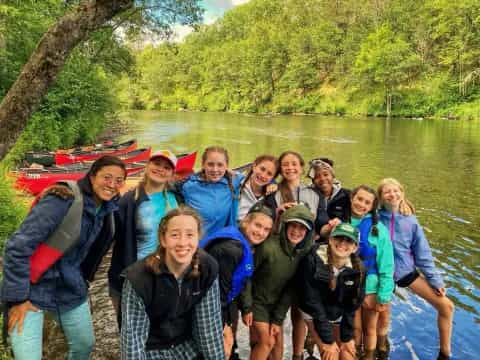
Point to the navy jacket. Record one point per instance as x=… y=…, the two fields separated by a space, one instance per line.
x=64 y=286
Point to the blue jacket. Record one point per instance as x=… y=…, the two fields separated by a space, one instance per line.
x=244 y=269
x=64 y=286
x=214 y=201
x=411 y=249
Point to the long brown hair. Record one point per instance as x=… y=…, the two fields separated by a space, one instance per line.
x=368 y=189
x=285 y=191
x=258 y=160
x=154 y=261
x=357 y=264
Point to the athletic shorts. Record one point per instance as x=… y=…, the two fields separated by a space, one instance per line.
x=263 y=312
x=408 y=279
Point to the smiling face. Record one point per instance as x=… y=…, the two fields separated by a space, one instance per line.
x=342 y=247
x=324 y=181
x=257 y=227
x=291 y=168
x=263 y=173
x=106 y=183
x=214 y=166
x=362 y=203
x=159 y=171
x=296 y=232
x=180 y=242
x=391 y=196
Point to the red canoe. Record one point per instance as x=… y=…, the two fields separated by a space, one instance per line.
x=62 y=158
x=35 y=180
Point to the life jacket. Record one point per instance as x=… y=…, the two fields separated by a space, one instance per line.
x=367 y=252
x=64 y=237
x=244 y=270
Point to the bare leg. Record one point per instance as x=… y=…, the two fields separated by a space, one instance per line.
x=299 y=331
x=357 y=328
x=445 y=309
x=277 y=351
x=370 y=318
x=265 y=342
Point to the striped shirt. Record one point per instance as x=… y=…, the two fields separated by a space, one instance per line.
x=207 y=331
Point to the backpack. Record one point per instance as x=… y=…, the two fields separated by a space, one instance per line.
x=64 y=237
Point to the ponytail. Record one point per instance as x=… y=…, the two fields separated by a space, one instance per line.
x=357 y=265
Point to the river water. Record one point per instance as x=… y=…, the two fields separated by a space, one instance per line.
x=437 y=160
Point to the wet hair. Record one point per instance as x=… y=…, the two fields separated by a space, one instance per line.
x=223 y=151
x=405 y=206
x=373 y=211
x=357 y=264
x=106 y=160
x=154 y=261
x=257 y=161
x=285 y=191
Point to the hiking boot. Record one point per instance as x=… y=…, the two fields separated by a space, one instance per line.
x=309 y=344
x=442 y=356
x=382 y=352
x=359 y=351
x=368 y=355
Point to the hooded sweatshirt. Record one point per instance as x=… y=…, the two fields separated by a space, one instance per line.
x=276 y=261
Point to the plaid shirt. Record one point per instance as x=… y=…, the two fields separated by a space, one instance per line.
x=207 y=342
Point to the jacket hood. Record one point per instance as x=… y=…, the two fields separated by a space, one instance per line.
x=296 y=212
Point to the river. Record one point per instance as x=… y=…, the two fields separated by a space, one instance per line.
x=437 y=160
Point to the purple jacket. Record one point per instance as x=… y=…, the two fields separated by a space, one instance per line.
x=410 y=247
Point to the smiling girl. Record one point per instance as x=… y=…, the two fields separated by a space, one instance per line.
x=266 y=301
x=214 y=192
x=254 y=187
x=140 y=211
x=376 y=252
x=62 y=290
x=331 y=286
x=414 y=265
x=170 y=300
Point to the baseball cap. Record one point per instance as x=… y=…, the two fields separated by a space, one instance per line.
x=304 y=222
x=346 y=230
x=166 y=154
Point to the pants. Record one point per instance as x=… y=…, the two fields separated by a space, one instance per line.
x=76 y=324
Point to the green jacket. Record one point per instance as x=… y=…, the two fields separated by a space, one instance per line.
x=382 y=283
x=276 y=261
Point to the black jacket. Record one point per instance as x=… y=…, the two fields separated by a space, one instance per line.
x=168 y=305
x=323 y=304
x=125 y=247
x=338 y=207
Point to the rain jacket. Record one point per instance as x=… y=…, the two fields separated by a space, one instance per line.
x=276 y=261
x=410 y=247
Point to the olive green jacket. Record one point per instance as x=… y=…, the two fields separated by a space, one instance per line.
x=276 y=261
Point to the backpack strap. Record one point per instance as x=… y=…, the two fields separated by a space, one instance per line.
x=64 y=237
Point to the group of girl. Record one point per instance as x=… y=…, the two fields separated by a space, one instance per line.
x=189 y=255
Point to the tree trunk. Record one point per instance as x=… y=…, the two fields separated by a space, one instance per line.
x=44 y=65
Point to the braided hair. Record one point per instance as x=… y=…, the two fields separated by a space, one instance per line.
x=373 y=211
x=283 y=187
x=154 y=261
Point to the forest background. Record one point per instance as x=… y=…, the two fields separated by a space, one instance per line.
x=376 y=57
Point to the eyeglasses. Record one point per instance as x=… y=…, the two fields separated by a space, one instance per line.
x=109 y=179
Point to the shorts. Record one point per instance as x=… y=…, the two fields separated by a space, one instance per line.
x=408 y=279
x=263 y=312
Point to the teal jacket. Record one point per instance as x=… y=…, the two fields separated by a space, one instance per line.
x=382 y=283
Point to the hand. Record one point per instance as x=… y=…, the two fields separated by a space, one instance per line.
x=349 y=347
x=328 y=227
x=285 y=206
x=275 y=330
x=227 y=340
x=247 y=319
x=381 y=307
x=17 y=314
x=329 y=351
x=271 y=188
x=440 y=291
